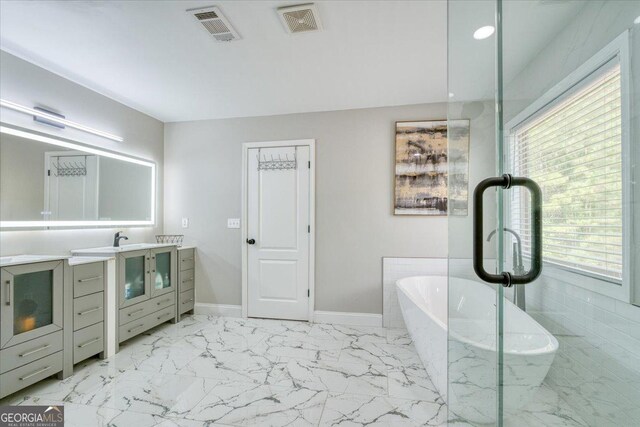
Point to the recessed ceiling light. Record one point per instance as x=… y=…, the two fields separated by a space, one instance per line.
x=637 y=20
x=483 y=32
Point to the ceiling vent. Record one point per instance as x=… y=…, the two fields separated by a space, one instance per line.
x=301 y=18
x=215 y=23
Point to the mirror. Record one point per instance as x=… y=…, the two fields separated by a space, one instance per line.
x=53 y=182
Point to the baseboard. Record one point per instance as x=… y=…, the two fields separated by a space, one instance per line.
x=353 y=319
x=228 y=310
x=336 y=317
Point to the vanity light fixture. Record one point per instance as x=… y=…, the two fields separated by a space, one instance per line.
x=484 y=32
x=55 y=119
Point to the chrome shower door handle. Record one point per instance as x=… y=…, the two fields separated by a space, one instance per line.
x=506 y=279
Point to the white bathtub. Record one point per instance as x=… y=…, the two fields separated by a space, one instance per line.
x=470 y=341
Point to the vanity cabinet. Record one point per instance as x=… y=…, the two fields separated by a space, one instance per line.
x=186 y=280
x=88 y=310
x=134 y=272
x=163 y=271
x=147 y=289
x=31 y=323
x=31 y=301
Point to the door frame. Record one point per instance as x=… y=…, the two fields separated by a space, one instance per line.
x=311 y=143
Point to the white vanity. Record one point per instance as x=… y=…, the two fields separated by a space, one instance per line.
x=32 y=326
x=52 y=316
x=186 y=280
x=56 y=311
x=146 y=277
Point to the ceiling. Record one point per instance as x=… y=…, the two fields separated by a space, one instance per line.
x=528 y=27
x=154 y=57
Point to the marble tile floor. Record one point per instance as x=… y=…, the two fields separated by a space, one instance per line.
x=221 y=371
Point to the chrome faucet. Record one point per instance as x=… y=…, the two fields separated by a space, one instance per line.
x=518 y=267
x=116 y=239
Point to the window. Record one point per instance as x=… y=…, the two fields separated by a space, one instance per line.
x=573 y=150
x=574 y=142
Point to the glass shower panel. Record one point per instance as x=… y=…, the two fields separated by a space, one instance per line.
x=473 y=393
x=571 y=338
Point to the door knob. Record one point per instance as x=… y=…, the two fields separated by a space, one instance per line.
x=251 y=241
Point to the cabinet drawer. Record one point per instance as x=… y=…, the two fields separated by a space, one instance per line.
x=162 y=316
x=30 y=373
x=21 y=354
x=88 y=341
x=186 y=259
x=187 y=301
x=135 y=312
x=88 y=310
x=138 y=326
x=88 y=279
x=132 y=329
x=163 y=301
x=187 y=280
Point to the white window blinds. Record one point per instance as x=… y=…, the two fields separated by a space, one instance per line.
x=573 y=149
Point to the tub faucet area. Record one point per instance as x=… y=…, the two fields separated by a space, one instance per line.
x=518 y=268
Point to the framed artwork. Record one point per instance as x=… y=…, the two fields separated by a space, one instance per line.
x=427 y=159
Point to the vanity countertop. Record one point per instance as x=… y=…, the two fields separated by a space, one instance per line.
x=183 y=247
x=77 y=260
x=7 y=261
x=112 y=250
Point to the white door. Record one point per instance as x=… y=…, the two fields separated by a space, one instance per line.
x=278 y=232
x=72 y=191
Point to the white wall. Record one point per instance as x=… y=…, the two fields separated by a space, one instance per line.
x=354 y=199
x=27 y=84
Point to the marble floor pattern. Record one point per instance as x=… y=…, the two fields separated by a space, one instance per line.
x=222 y=371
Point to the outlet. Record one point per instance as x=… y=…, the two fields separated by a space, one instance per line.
x=185 y=222
x=233 y=222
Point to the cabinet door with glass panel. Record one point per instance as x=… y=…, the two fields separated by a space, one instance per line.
x=30 y=301
x=133 y=277
x=163 y=270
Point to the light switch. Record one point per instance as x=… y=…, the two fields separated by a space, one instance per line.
x=185 y=222
x=233 y=222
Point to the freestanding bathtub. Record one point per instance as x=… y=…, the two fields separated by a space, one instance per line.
x=468 y=338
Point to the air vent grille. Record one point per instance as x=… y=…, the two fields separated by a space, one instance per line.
x=301 y=18
x=215 y=27
x=224 y=37
x=206 y=15
x=216 y=24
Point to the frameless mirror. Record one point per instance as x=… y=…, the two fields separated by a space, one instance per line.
x=53 y=182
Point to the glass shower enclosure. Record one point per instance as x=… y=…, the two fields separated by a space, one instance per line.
x=543 y=292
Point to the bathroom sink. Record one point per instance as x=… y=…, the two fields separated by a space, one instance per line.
x=110 y=250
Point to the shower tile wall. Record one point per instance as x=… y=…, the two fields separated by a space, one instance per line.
x=394 y=269
x=597 y=367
